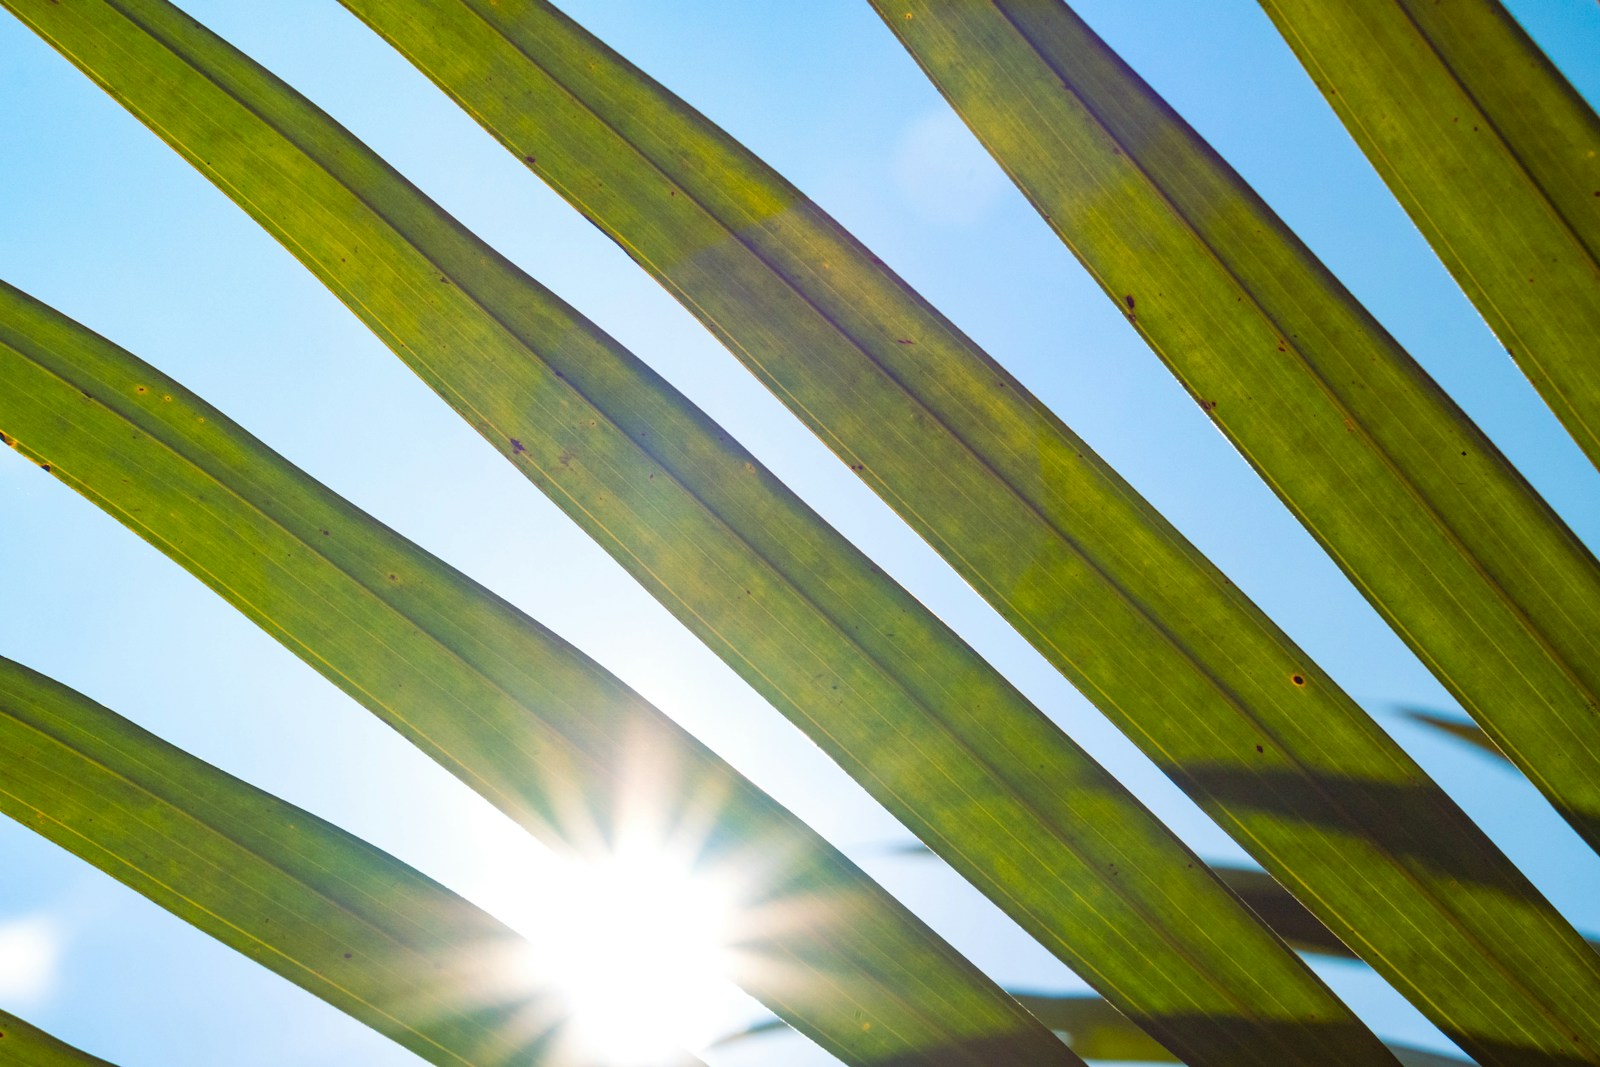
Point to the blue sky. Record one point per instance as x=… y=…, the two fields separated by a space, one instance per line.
x=104 y=222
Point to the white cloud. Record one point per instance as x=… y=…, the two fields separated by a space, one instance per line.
x=30 y=951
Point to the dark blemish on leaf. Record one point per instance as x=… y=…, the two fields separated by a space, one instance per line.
x=516 y=447
x=443 y=279
x=324 y=533
x=1208 y=406
x=4 y=440
x=394 y=577
x=1129 y=301
x=45 y=467
x=1463 y=453
x=141 y=390
x=530 y=159
x=858 y=466
x=347 y=955
x=1281 y=348
x=904 y=341
x=1260 y=749
x=1297 y=679
x=672 y=192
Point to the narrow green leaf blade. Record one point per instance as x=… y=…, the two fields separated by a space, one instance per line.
x=1493 y=155
x=1463 y=731
x=1445 y=538
x=1097 y=1031
x=1086 y=569
x=320 y=907
x=529 y=722
x=25 y=1045
x=1277 y=907
x=887 y=690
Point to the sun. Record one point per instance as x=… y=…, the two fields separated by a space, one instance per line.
x=636 y=943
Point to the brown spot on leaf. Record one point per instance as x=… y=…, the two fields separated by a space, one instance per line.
x=1129 y=301
x=45 y=467
x=904 y=341
x=1260 y=749
x=1298 y=679
x=1208 y=406
x=516 y=447
x=530 y=159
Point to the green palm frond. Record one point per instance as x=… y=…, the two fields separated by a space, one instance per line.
x=1364 y=856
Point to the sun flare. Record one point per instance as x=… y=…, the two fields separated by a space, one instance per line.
x=636 y=944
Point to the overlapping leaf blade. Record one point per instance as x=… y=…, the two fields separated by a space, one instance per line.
x=1439 y=531
x=1023 y=509
x=1476 y=572
x=1462 y=731
x=1493 y=155
x=25 y=1045
x=935 y=734
x=1097 y=1031
x=541 y=731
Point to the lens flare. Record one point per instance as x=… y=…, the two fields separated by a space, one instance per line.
x=636 y=945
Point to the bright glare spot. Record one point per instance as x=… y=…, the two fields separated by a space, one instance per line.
x=637 y=946
x=29 y=951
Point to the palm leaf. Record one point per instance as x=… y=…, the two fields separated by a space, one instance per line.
x=1097 y=1031
x=1463 y=731
x=1066 y=550
x=538 y=729
x=25 y=1045
x=325 y=910
x=1444 y=537
x=1492 y=154
x=874 y=678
